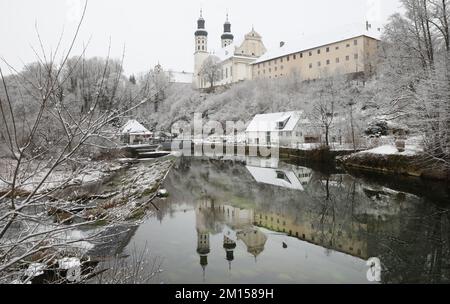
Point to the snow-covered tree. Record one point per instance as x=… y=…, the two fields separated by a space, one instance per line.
x=211 y=70
x=46 y=152
x=415 y=73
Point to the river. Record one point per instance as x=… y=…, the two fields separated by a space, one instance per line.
x=252 y=220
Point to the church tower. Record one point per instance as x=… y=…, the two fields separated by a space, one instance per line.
x=203 y=250
x=201 y=49
x=229 y=245
x=227 y=37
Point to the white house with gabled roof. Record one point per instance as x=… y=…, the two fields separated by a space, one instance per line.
x=135 y=133
x=285 y=129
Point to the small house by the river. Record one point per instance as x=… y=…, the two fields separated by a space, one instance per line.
x=280 y=129
x=134 y=133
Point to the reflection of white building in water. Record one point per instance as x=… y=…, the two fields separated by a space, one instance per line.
x=263 y=162
x=268 y=171
x=237 y=225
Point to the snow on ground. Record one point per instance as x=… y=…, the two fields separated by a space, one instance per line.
x=27 y=181
x=97 y=171
x=410 y=150
x=386 y=146
x=138 y=183
x=3 y=185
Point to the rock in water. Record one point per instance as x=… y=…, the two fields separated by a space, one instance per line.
x=163 y=193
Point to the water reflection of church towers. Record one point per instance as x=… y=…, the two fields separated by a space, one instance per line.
x=234 y=223
x=203 y=248
x=328 y=225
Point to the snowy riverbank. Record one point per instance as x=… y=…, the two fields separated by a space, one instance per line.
x=33 y=173
x=387 y=159
x=92 y=217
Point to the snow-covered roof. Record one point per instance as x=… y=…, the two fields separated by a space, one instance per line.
x=181 y=77
x=269 y=122
x=320 y=40
x=276 y=177
x=228 y=51
x=134 y=127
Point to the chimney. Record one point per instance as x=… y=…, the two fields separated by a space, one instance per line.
x=368 y=25
x=282 y=44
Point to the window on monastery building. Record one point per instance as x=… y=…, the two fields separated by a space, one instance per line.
x=328 y=49
x=337 y=48
x=282 y=67
x=356 y=56
x=301 y=55
x=337 y=60
x=203 y=47
x=310 y=54
x=270 y=63
x=348 y=44
x=295 y=56
x=281 y=60
x=270 y=70
x=355 y=42
x=287 y=58
x=264 y=71
x=310 y=65
x=328 y=61
x=347 y=58
x=319 y=64
x=318 y=51
x=276 y=69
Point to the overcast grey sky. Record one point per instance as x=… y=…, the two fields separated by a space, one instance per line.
x=163 y=30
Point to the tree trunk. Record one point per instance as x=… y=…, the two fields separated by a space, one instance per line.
x=353 y=128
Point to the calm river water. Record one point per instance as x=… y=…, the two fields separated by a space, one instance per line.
x=250 y=220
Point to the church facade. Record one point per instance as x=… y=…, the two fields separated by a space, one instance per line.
x=235 y=56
